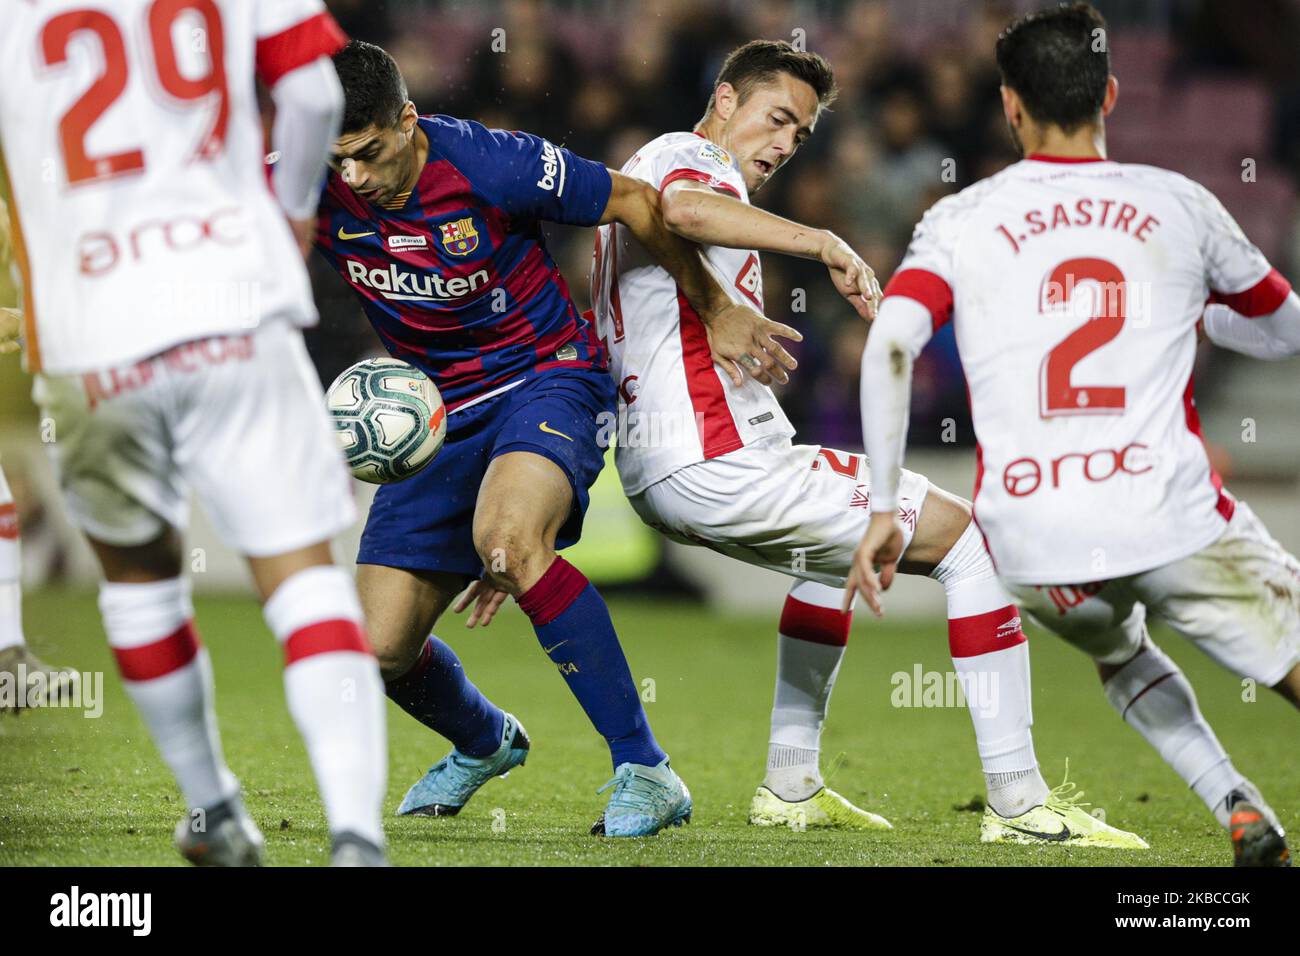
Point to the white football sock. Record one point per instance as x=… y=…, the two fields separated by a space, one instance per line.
x=810 y=644
x=335 y=694
x=991 y=658
x=11 y=602
x=1154 y=697
x=167 y=675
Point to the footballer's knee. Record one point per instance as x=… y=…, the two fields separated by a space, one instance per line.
x=1289 y=686
x=400 y=608
x=944 y=518
x=394 y=660
x=513 y=556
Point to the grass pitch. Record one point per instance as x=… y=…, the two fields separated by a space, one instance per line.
x=77 y=791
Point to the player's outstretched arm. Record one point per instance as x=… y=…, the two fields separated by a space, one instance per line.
x=1271 y=336
x=695 y=211
x=11 y=320
x=738 y=335
x=308 y=111
x=5 y=238
x=896 y=340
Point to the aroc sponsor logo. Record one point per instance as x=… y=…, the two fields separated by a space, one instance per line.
x=1024 y=476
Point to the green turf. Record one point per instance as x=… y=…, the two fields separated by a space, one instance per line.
x=93 y=791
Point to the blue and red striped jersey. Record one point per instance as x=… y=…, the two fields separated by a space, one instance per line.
x=458 y=281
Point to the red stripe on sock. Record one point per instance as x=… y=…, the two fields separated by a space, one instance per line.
x=817 y=625
x=984 y=633
x=325 y=637
x=553 y=593
x=160 y=658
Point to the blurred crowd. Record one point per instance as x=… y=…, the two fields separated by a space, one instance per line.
x=918 y=116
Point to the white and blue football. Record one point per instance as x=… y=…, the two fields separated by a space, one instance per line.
x=389 y=419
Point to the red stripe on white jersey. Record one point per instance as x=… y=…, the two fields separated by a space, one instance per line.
x=160 y=658
x=9 y=521
x=700 y=177
x=923 y=286
x=615 y=298
x=1226 y=504
x=718 y=432
x=817 y=625
x=297 y=46
x=985 y=633
x=1263 y=298
x=325 y=637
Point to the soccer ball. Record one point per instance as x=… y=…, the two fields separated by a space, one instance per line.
x=389 y=419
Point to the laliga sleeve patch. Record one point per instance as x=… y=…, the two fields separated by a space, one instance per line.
x=714 y=153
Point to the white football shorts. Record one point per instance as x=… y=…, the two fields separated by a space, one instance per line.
x=1238 y=600
x=798 y=509
x=240 y=418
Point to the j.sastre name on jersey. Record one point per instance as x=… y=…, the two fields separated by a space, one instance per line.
x=394 y=283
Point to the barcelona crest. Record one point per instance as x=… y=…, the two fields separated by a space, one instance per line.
x=459 y=237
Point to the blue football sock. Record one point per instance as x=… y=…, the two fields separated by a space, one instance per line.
x=437 y=693
x=572 y=623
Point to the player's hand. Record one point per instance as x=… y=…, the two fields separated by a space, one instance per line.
x=11 y=325
x=741 y=338
x=486 y=598
x=852 y=277
x=304 y=231
x=881 y=545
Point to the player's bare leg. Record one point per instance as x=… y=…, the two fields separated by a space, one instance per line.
x=331 y=684
x=16 y=659
x=523 y=502
x=1289 y=686
x=401 y=608
x=424 y=677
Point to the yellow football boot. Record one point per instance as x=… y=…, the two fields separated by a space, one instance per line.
x=1061 y=819
x=824 y=810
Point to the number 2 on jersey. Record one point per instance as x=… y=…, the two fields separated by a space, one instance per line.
x=1058 y=395
x=56 y=36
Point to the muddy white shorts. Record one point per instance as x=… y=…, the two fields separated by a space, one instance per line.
x=797 y=509
x=240 y=418
x=1238 y=600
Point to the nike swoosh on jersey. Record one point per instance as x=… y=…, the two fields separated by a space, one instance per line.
x=551 y=431
x=345 y=236
x=547 y=650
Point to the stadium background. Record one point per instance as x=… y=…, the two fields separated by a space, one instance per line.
x=1204 y=90
x=1207 y=87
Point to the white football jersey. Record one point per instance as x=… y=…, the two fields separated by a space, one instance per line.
x=676 y=407
x=1075 y=290
x=134 y=150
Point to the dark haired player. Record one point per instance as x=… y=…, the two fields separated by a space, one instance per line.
x=738 y=485
x=435 y=223
x=1076 y=285
x=744 y=489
